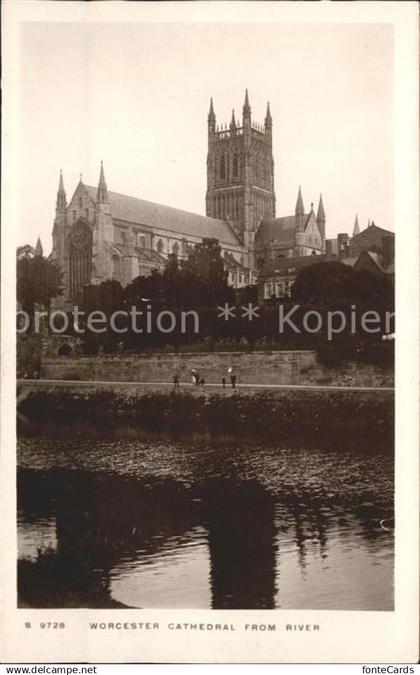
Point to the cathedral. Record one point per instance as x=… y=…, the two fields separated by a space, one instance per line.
x=100 y=235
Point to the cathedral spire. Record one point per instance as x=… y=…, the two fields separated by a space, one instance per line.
x=299 y=210
x=102 y=192
x=356 y=228
x=246 y=110
x=39 y=252
x=61 y=203
x=233 y=121
x=268 y=121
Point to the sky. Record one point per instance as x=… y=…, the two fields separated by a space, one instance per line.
x=137 y=97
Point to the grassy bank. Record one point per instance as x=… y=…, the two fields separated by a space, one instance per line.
x=280 y=414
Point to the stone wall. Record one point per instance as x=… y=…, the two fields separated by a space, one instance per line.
x=291 y=367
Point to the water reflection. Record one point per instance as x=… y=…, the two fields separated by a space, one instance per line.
x=241 y=536
x=90 y=539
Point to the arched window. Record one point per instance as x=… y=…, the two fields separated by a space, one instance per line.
x=222 y=167
x=159 y=246
x=175 y=248
x=80 y=257
x=235 y=166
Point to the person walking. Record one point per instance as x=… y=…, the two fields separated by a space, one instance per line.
x=224 y=382
x=232 y=378
x=176 y=381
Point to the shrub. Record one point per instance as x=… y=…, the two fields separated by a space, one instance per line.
x=28 y=356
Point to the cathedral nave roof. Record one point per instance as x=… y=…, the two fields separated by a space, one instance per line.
x=159 y=216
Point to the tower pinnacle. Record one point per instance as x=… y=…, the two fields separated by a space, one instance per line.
x=268 y=120
x=320 y=219
x=211 y=118
x=320 y=216
x=246 y=110
x=356 y=227
x=299 y=210
x=61 y=203
x=102 y=192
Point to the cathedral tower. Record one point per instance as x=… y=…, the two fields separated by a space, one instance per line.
x=240 y=174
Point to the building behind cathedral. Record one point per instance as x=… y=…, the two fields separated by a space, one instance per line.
x=100 y=234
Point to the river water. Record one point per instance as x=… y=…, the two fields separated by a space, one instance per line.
x=203 y=524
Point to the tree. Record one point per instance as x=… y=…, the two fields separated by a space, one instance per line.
x=367 y=288
x=204 y=268
x=143 y=289
x=205 y=262
x=323 y=282
x=25 y=251
x=198 y=281
x=174 y=283
x=37 y=280
x=108 y=298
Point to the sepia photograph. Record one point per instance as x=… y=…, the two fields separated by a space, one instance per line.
x=223 y=405
x=205 y=241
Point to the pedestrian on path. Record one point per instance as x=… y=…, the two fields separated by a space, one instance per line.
x=232 y=378
x=176 y=381
x=224 y=382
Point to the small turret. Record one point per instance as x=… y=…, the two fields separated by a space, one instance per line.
x=320 y=216
x=356 y=228
x=39 y=252
x=320 y=219
x=102 y=192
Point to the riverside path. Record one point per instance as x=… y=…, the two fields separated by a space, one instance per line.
x=41 y=383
